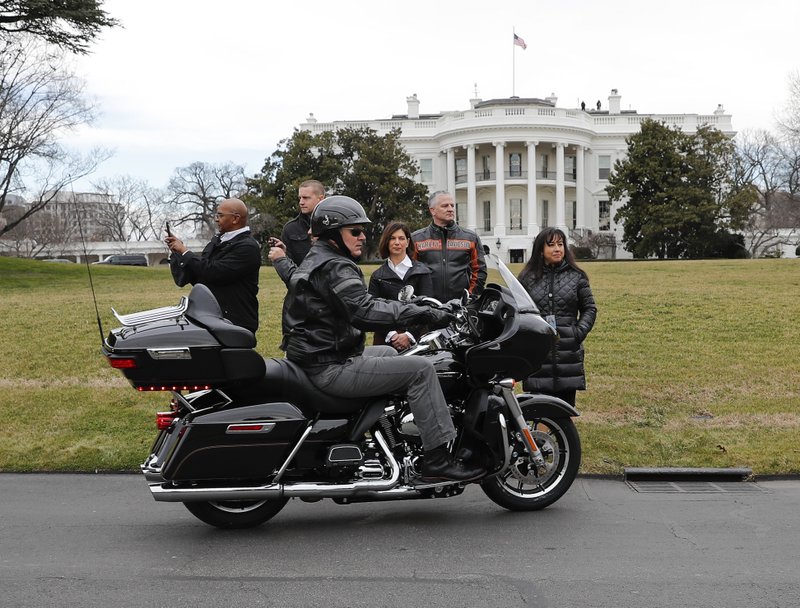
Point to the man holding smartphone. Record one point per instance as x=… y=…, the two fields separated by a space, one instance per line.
x=228 y=266
x=295 y=235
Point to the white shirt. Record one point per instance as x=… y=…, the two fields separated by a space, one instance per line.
x=227 y=236
x=402 y=268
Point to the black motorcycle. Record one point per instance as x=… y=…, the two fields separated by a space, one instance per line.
x=243 y=434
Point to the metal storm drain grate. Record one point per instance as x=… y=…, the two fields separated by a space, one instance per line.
x=694 y=487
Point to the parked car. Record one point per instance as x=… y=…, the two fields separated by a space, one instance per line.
x=137 y=259
x=58 y=260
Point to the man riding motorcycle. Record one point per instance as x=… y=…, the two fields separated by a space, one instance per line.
x=326 y=313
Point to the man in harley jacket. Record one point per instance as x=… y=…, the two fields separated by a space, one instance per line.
x=454 y=254
x=328 y=309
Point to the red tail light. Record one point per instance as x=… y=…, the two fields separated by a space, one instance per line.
x=164 y=420
x=117 y=363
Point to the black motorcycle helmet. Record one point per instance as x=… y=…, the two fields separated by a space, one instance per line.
x=335 y=212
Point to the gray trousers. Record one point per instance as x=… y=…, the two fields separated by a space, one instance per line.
x=379 y=372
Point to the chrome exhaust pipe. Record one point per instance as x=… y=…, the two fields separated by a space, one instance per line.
x=162 y=494
x=283 y=490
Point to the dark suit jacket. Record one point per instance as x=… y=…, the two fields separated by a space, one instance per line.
x=230 y=271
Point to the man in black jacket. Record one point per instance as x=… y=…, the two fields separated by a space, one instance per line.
x=295 y=232
x=228 y=266
x=325 y=314
x=454 y=254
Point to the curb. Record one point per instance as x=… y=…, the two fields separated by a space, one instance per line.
x=686 y=474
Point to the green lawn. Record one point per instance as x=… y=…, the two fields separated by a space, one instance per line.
x=690 y=364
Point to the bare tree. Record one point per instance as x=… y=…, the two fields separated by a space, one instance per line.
x=44 y=234
x=196 y=190
x=139 y=211
x=40 y=99
x=599 y=244
x=772 y=167
x=69 y=24
x=789 y=119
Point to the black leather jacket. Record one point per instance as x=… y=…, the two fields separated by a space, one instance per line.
x=295 y=237
x=327 y=310
x=455 y=257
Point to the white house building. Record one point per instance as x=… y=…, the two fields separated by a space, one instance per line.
x=516 y=165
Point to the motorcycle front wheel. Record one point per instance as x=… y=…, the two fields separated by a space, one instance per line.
x=236 y=514
x=520 y=488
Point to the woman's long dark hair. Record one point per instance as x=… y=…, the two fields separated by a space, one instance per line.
x=383 y=246
x=535 y=265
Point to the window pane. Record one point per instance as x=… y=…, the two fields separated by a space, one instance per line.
x=570 y=168
x=603 y=166
x=515 y=214
x=487 y=216
x=604 y=219
x=426 y=170
x=487 y=167
x=461 y=170
x=543 y=171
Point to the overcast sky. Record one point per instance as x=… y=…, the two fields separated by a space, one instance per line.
x=195 y=80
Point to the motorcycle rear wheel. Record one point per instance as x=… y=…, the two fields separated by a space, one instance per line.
x=236 y=514
x=520 y=488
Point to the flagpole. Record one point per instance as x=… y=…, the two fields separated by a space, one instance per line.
x=513 y=63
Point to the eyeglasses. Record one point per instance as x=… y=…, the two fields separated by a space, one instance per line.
x=356 y=232
x=219 y=215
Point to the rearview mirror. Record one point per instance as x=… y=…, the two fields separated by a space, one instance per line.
x=406 y=293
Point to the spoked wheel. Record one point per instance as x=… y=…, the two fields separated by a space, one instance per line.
x=520 y=488
x=236 y=513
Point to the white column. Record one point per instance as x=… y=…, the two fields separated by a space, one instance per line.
x=560 y=197
x=500 y=189
x=451 y=172
x=472 y=215
x=579 y=187
x=533 y=208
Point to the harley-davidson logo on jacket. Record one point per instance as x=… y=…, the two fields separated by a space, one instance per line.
x=436 y=244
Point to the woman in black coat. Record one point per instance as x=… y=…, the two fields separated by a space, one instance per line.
x=395 y=273
x=562 y=293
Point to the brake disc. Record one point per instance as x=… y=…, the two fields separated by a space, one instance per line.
x=522 y=470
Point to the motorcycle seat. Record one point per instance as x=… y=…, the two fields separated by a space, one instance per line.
x=204 y=310
x=287 y=380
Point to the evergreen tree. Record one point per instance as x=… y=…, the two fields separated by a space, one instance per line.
x=357 y=162
x=681 y=198
x=69 y=24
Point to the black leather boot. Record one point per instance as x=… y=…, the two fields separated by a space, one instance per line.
x=438 y=465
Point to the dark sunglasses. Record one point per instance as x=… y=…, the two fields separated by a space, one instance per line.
x=356 y=232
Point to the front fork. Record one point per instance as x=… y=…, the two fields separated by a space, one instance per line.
x=505 y=389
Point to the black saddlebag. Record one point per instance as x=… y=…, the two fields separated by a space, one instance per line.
x=240 y=443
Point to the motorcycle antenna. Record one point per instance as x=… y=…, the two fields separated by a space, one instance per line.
x=86 y=260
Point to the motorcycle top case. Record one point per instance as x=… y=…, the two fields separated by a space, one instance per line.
x=181 y=355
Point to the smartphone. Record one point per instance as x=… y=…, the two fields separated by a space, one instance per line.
x=169 y=232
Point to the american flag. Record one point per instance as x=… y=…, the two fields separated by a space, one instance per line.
x=520 y=42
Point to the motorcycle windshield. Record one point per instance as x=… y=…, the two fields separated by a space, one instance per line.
x=522 y=297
